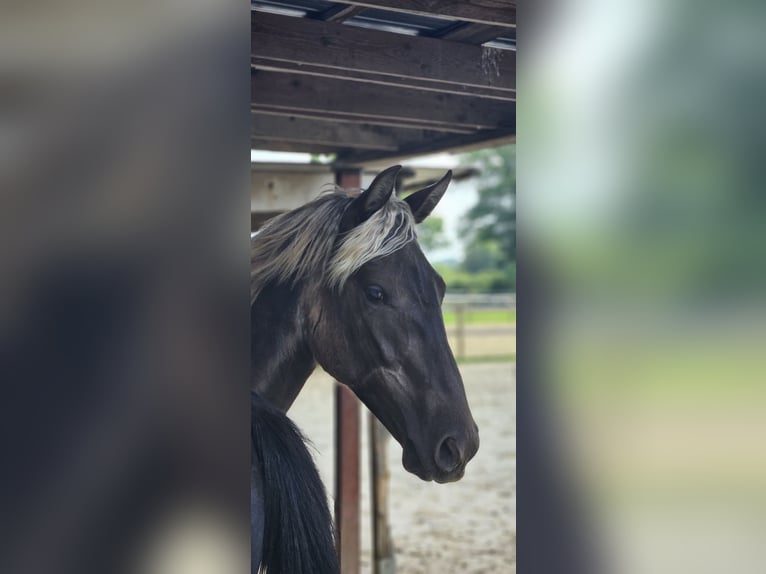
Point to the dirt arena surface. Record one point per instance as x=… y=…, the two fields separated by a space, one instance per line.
x=485 y=340
x=467 y=527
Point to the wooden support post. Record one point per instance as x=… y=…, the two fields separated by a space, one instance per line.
x=383 y=556
x=347 y=483
x=460 y=326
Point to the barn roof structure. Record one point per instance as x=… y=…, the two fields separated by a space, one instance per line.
x=374 y=81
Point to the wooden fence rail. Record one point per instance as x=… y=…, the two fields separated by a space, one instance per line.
x=463 y=305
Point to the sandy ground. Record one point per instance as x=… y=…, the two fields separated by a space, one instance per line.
x=468 y=527
x=485 y=340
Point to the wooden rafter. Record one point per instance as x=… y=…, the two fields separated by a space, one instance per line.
x=470 y=33
x=339 y=13
x=330 y=46
x=382 y=105
x=494 y=12
x=412 y=83
x=453 y=143
x=314 y=133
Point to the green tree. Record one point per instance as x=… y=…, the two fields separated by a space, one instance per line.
x=493 y=219
x=431 y=234
x=482 y=255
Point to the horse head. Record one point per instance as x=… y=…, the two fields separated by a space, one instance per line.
x=377 y=327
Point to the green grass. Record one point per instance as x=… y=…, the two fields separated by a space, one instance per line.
x=511 y=357
x=481 y=317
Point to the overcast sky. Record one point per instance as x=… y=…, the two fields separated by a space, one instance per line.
x=459 y=198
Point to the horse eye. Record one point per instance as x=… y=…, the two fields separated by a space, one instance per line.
x=374 y=293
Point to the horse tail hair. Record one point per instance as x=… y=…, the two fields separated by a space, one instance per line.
x=298 y=535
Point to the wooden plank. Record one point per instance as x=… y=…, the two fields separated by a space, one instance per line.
x=452 y=143
x=384 y=558
x=341 y=117
x=324 y=133
x=339 y=13
x=471 y=33
x=375 y=104
x=284 y=190
x=398 y=81
x=499 y=12
x=276 y=38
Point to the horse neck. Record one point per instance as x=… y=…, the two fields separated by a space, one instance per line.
x=281 y=359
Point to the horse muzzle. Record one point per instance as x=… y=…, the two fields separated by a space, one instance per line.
x=453 y=453
x=448 y=461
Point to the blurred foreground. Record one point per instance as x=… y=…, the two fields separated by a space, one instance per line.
x=123 y=300
x=642 y=243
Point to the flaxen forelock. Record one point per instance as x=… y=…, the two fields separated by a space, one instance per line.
x=305 y=243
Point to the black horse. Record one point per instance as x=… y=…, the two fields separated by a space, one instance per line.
x=342 y=282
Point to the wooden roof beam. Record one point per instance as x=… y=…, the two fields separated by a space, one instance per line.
x=452 y=143
x=277 y=39
x=341 y=117
x=320 y=133
x=470 y=33
x=368 y=103
x=398 y=81
x=339 y=13
x=493 y=12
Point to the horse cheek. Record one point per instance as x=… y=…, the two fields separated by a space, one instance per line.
x=331 y=348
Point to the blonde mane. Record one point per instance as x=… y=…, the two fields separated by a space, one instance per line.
x=306 y=244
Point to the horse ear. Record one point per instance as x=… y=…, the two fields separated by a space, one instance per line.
x=370 y=201
x=422 y=202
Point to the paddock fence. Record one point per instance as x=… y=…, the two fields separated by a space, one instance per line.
x=481 y=326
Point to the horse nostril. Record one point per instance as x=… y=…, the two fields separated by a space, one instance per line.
x=448 y=455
